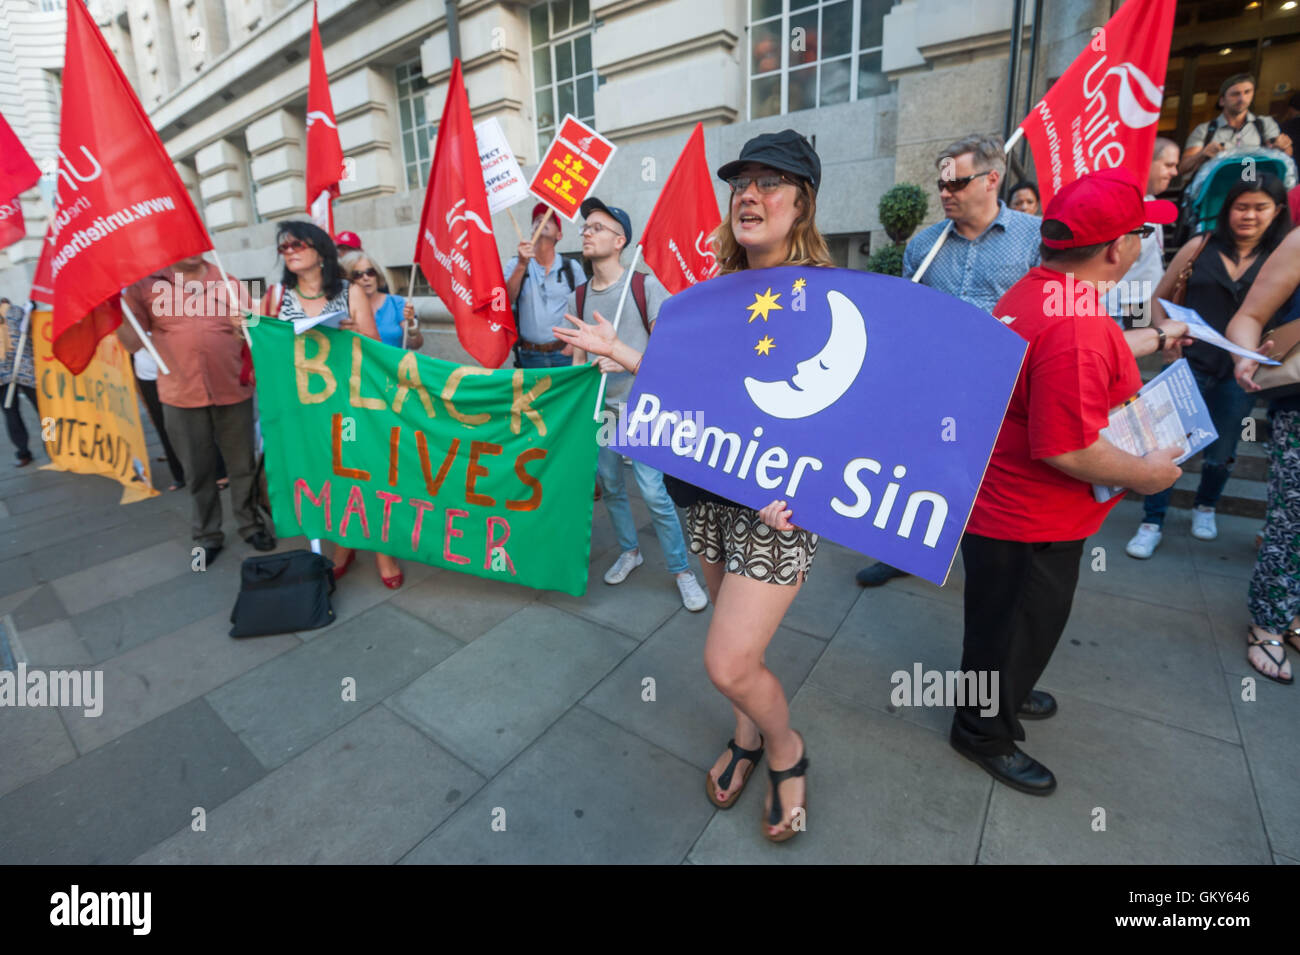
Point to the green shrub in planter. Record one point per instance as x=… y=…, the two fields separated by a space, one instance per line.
x=901 y=210
x=887 y=260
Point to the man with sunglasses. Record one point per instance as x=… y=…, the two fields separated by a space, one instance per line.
x=539 y=283
x=987 y=249
x=1035 y=508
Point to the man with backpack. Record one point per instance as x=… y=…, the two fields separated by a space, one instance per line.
x=539 y=283
x=1235 y=127
x=607 y=231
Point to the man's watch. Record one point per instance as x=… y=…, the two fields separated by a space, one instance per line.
x=1161 y=341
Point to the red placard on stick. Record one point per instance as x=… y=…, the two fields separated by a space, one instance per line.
x=571 y=167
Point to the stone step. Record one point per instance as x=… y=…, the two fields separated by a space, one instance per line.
x=1241 y=498
x=1251 y=464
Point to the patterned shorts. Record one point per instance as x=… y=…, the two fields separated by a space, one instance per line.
x=737 y=537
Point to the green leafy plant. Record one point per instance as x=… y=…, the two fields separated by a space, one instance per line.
x=901 y=209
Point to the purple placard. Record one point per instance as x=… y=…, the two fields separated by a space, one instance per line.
x=869 y=403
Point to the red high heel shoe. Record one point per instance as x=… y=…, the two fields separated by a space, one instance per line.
x=342 y=568
x=392 y=583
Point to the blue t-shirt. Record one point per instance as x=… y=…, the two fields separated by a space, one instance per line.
x=388 y=319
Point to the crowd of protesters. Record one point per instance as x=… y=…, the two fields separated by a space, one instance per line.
x=1025 y=537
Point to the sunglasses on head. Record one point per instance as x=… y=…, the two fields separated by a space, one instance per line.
x=292 y=245
x=957 y=185
x=768 y=183
x=365 y=274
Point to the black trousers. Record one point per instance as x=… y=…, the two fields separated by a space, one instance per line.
x=149 y=392
x=1018 y=599
x=14 y=419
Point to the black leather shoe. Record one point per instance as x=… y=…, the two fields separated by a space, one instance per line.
x=1039 y=706
x=210 y=555
x=262 y=541
x=877 y=574
x=1019 y=770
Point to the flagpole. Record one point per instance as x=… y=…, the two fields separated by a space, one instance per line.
x=410 y=297
x=515 y=222
x=18 y=357
x=618 y=313
x=232 y=296
x=542 y=225
x=148 y=342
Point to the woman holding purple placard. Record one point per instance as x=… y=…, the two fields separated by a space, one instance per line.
x=754 y=562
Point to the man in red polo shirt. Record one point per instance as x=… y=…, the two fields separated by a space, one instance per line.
x=1025 y=537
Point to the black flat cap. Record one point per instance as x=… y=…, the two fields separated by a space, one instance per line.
x=787 y=150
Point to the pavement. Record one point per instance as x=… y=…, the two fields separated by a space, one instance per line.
x=493 y=723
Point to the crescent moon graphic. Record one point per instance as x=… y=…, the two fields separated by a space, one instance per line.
x=821 y=380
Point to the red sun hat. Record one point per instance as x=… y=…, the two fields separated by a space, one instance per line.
x=348 y=240
x=540 y=210
x=1101 y=207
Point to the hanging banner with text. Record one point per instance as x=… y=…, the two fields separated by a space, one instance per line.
x=569 y=170
x=91 y=422
x=478 y=471
x=870 y=404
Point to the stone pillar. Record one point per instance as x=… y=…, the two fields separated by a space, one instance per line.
x=223 y=185
x=276 y=144
x=201 y=34
x=368 y=133
x=155 y=50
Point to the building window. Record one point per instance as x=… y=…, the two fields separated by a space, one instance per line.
x=417 y=127
x=809 y=53
x=564 y=80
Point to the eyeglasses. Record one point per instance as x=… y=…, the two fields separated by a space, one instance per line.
x=365 y=274
x=957 y=185
x=596 y=228
x=1146 y=231
x=292 y=245
x=768 y=183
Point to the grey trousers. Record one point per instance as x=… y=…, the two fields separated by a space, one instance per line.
x=197 y=433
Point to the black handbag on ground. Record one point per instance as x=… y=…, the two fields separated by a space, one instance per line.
x=283 y=593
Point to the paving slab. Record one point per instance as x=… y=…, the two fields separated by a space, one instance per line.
x=463 y=605
x=339 y=803
x=1169 y=795
x=689 y=717
x=39 y=607
x=829 y=592
x=35 y=743
x=1273 y=752
x=110 y=805
x=643 y=806
x=123 y=576
x=16 y=575
x=54 y=645
x=888 y=631
x=170 y=671
x=1157 y=662
x=1232 y=553
x=154 y=609
x=639 y=605
x=290 y=703
x=361 y=590
x=67 y=495
x=879 y=791
x=1228 y=614
x=496 y=695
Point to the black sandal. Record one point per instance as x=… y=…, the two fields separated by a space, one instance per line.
x=1251 y=640
x=776 y=815
x=724 y=781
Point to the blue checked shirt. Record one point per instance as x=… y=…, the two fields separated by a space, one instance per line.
x=543 y=297
x=978 y=271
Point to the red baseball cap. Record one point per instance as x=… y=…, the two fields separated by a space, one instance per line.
x=540 y=210
x=1101 y=207
x=348 y=240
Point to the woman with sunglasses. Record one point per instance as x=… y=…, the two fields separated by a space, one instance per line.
x=1220 y=268
x=393 y=314
x=311 y=285
x=754 y=562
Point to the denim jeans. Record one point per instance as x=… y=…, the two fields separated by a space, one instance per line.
x=1227 y=405
x=541 y=359
x=609 y=465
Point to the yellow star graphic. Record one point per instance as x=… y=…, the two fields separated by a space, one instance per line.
x=765 y=344
x=763 y=304
x=798 y=284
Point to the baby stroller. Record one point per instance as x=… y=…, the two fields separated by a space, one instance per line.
x=1203 y=198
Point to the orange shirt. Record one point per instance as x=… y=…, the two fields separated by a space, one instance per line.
x=194 y=333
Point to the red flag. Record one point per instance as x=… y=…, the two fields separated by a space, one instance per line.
x=121 y=211
x=18 y=173
x=324 y=151
x=456 y=250
x=1104 y=109
x=677 y=242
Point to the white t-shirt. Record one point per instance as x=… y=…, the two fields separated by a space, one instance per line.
x=146 y=369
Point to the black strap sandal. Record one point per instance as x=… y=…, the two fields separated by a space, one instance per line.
x=776 y=815
x=1263 y=645
x=724 y=781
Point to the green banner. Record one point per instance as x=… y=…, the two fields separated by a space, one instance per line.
x=483 y=472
